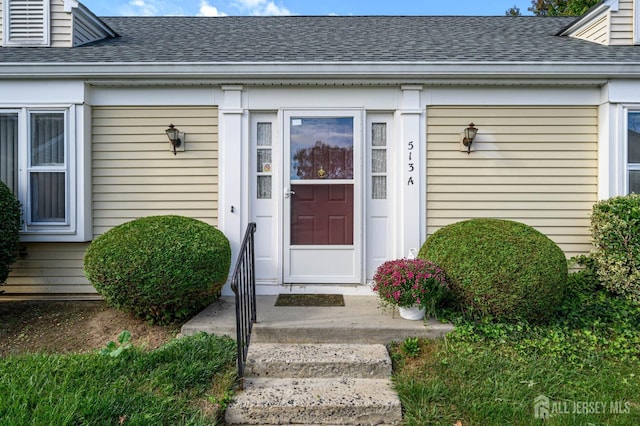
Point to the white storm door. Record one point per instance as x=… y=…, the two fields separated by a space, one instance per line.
x=322 y=206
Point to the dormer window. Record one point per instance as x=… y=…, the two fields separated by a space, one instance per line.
x=25 y=23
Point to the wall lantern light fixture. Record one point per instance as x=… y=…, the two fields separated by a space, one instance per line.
x=468 y=136
x=176 y=138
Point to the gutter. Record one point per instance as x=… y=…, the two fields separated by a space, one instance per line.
x=325 y=70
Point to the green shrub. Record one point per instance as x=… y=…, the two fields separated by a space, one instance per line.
x=161 y=268
x=615 y=228
x=499 y=268
x=9 y=230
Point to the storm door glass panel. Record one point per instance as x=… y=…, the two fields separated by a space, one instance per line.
x=47 y=171
x=322 y=181
x=321 y=148
x=9 y=150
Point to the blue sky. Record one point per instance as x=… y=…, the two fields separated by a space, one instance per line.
x=302 y=7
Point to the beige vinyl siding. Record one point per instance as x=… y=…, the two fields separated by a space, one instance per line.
x=596 y=31
x=622 y=24
x=536 y=165
x=1 y=23
x=135 y=174
x=60 y=25
x=52 y=268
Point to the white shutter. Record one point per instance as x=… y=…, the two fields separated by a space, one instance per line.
x=26 y=22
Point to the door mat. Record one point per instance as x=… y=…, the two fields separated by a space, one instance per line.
x=310 y=300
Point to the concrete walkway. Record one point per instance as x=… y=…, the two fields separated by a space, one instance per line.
x=361 y=320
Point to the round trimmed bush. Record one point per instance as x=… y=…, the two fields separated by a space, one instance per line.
x=161 y=268
x=502 y=269
x=615 y=228
x=9 y=230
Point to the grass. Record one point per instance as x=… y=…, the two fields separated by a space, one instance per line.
x=183 y=383
x=584 y=365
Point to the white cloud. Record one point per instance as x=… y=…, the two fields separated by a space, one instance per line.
x=151 y=8
x=207 y=10
x=262 y=8
x=272 y=10
x=250 y=4
x=142 y=7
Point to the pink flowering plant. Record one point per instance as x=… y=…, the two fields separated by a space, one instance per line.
x=410 y=282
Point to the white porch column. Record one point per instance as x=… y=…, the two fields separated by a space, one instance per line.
x=231 y=170
x=411 y=187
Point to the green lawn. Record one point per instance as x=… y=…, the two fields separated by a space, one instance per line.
x=583 y=368
x=182 y=383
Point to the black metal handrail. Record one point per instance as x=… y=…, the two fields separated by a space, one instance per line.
x=243 y=284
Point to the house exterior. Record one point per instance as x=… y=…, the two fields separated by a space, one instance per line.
x=341 y=137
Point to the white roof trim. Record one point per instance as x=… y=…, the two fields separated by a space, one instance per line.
x=594 y=13
x=636 y=22
x=88 y=17
x=70 y=4
x=327 y=71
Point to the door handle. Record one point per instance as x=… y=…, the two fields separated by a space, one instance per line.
x=288 y=193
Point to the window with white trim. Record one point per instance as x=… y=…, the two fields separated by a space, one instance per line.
x=35 y=148
x=633 y=152
x=25 y=23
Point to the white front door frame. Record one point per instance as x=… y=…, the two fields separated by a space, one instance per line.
x=403 y=108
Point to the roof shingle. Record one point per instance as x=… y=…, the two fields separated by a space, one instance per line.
x=411 y=39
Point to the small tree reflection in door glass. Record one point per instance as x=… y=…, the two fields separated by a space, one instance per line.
x=322 y=148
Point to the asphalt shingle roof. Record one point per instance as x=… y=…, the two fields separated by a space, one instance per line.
x=332 y=39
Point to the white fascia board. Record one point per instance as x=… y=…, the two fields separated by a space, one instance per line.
x=24 y=92
x=513 y=95
x=142 y=95
x=330 y=71
x=623 y=91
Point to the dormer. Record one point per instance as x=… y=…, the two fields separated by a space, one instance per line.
x=610 y=22
x=50 y=23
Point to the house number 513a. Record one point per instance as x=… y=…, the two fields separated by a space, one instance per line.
x=411 y=166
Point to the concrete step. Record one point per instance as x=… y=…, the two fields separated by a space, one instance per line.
x=330 y=401
x=318 y=360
